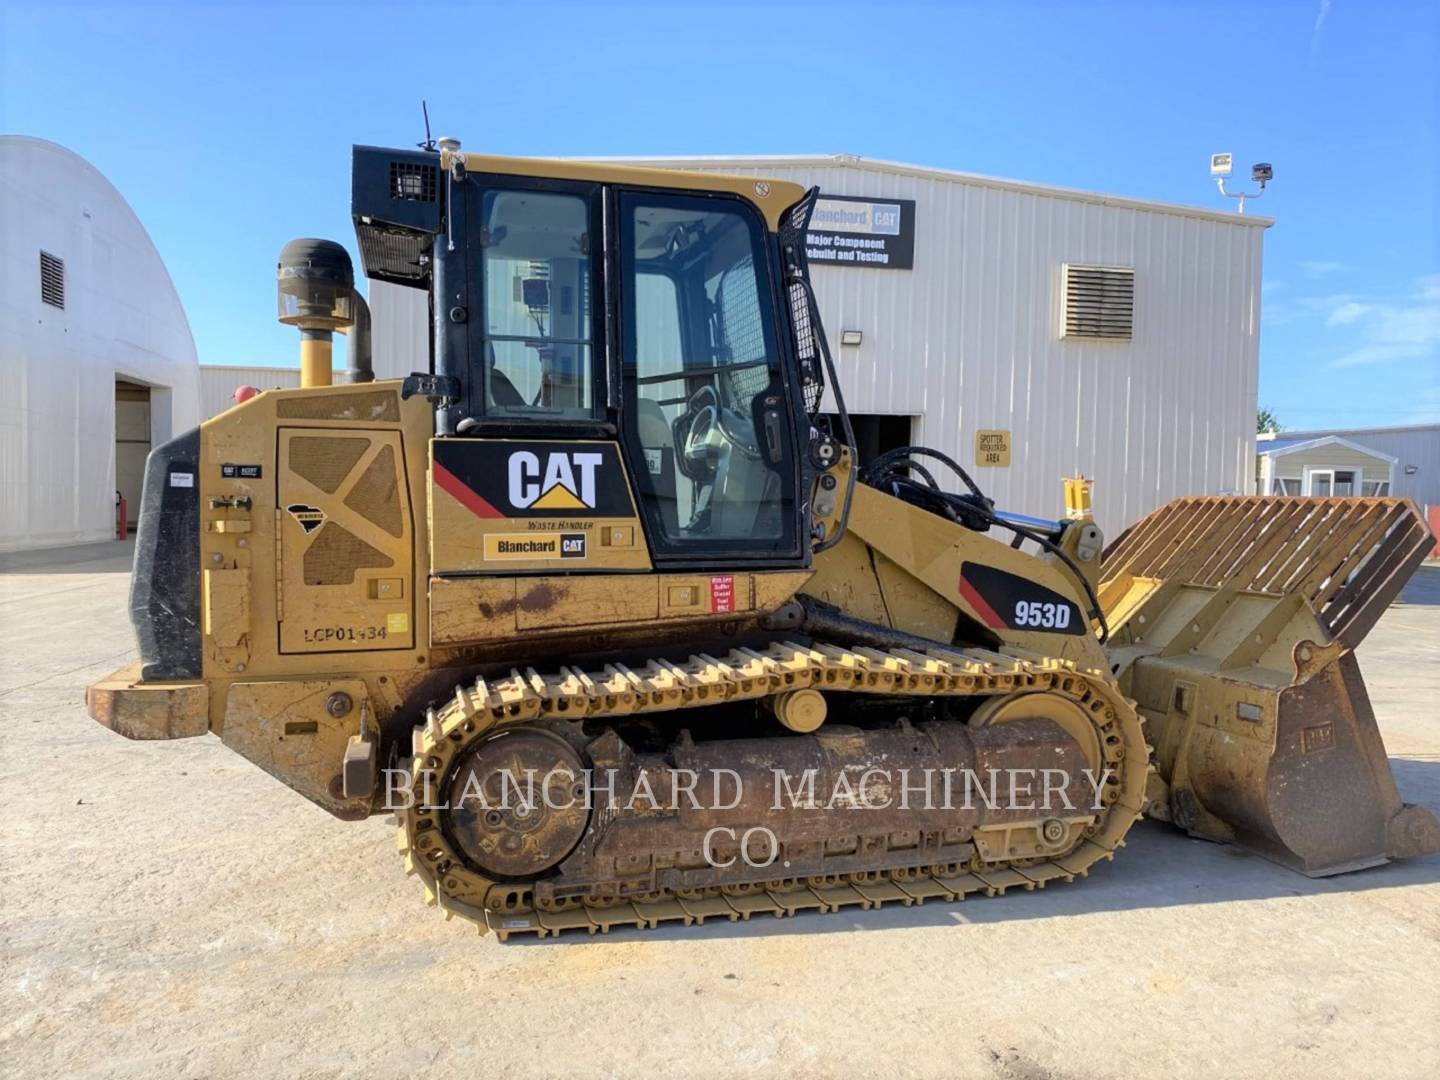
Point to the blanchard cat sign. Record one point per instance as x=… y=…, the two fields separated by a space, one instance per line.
x=849 y=231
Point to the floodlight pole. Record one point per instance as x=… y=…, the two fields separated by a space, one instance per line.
x=1241 y=195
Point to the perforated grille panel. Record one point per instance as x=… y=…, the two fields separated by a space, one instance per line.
x=337 y=553
x=373 y=405
x=325 y=461
x=412 y=181
x=742 y=337
x=392 y=254
x=805 y=325
x=1099 y=302
x=376 y=494
x=740 y=332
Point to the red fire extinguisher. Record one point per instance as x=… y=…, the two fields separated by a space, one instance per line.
x=122 y=519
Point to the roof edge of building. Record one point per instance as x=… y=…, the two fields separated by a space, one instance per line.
x=1316 y=433
x=43 y=143
x=1295 y=446
x=931 y=172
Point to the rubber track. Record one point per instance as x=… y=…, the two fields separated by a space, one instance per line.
x=746 y=674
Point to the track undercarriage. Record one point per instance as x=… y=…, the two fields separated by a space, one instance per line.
x=580 y=801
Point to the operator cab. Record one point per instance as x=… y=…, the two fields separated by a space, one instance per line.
x=585 y=302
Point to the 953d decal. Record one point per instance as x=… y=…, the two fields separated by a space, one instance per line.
x=1006 y=601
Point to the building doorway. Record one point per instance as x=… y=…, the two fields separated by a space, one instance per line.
x=875 y=434
x=132 y=444
x=1327 y=482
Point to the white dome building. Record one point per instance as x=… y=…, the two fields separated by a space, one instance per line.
x=97 y=364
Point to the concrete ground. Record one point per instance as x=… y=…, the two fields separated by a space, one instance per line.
x=170 y=910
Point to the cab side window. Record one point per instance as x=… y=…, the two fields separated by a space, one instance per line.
x=538 y=326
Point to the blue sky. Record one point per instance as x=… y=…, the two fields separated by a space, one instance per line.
x=228 y=128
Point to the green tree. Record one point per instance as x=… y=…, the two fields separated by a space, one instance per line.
x=1266 y=422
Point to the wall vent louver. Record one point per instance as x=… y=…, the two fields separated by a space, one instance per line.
x=1099 y=302
x=52 y=280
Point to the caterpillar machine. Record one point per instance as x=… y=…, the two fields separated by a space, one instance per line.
x=608 y=541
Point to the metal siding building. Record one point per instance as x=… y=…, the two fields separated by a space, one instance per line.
x=219 y=381
x=970 y=338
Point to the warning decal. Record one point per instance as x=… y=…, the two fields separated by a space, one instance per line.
x=722 y=593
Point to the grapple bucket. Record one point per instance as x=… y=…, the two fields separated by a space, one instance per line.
x=1233 y=624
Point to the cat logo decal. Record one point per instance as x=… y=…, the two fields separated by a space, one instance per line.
x=566 y=481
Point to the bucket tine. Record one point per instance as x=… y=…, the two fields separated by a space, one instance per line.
x=1234 y=622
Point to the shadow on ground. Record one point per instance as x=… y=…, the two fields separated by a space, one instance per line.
x=1159 y=867
x=106 y=557
x=1424 y=587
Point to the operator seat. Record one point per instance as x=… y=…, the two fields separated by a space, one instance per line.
x=657 y=444
x=500 y=391
x=745 y=498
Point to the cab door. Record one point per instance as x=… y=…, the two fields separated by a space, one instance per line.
x=708 y=430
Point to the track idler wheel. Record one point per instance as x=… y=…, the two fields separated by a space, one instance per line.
x=517 y=803
x=1044 y=706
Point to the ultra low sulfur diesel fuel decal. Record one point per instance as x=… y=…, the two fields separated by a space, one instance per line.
x=497 y=479
x=1008 y=601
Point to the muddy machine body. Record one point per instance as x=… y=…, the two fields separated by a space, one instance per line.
x=609 y=534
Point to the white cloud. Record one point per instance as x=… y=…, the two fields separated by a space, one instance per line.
x=1346 y=313
x=1320 y=17
x=1304 y=308
x=1323 y=305
x=1393 y=332
x=1317 y=268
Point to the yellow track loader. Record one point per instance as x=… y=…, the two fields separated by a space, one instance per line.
x=609 y=615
